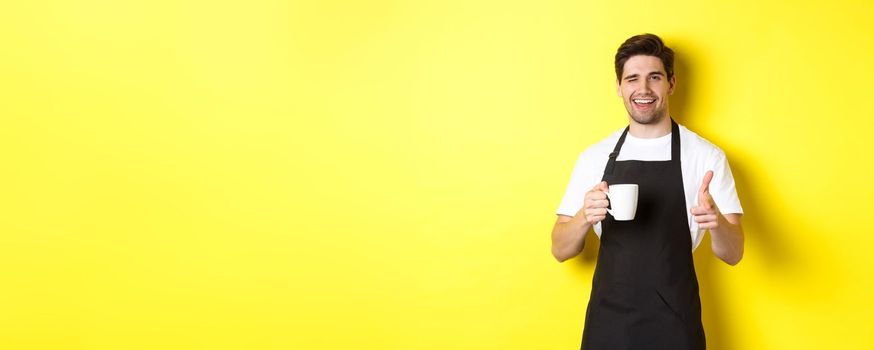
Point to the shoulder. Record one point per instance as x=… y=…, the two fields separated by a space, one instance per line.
x=601 y=149
x=591 y=161
x=698 y=147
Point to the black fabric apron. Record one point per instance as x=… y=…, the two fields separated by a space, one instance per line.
x=644 y=291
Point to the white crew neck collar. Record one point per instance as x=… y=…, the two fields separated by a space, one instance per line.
x=655 y=140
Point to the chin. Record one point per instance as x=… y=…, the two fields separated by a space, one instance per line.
x=649 y=119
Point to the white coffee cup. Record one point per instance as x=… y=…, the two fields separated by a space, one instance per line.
x=623 y=201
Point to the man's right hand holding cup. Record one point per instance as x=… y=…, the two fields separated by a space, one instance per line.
x=596 y=203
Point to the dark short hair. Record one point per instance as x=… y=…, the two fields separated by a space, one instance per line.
x=647 y=45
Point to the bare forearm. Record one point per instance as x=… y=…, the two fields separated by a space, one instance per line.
x=727 y=240
x=569 y=238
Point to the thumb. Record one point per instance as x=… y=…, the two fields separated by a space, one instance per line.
x=704 y=192
x=603 y=186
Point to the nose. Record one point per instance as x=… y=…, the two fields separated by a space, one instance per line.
x=646 y=86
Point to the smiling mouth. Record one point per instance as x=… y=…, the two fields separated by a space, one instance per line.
x=643 y=103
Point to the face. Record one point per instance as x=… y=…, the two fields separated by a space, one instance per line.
x=644 y=89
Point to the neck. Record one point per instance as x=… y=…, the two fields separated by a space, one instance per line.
x=649 y=131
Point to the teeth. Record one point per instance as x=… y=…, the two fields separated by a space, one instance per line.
x=644 y=101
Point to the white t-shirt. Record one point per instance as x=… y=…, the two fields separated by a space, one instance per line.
x=697 y=156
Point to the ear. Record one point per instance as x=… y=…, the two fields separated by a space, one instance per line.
x=673 y=84
x=618 y=89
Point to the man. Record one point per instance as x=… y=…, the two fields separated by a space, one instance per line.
x=644 y=291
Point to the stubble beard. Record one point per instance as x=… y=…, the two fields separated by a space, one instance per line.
x=653 y=117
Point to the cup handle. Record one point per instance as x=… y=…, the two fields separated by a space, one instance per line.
x=608 y=209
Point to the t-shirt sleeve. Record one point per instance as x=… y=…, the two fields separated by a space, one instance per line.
x=722 y=187
x=580 y=182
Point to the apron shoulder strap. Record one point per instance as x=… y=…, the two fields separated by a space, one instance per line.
x=675 y=141
x=611 y=162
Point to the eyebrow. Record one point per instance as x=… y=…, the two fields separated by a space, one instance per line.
x=650 y=73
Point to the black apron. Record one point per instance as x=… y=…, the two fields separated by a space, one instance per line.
x=644 y=291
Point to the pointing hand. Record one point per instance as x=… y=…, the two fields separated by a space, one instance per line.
x=706 y=214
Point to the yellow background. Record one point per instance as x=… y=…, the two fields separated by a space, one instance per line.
x=385 y=174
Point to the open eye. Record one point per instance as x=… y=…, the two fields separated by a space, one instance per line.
x=655 y=77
